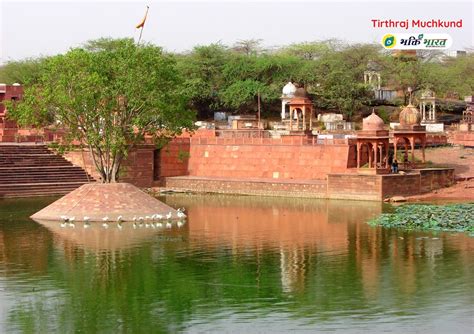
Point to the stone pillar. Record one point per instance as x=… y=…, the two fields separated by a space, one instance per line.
x=283 y=105
x=412 y=144
x=395 y=142
x=291 y=118
x=358 y=154
x=374 y=148
x=423 y=145
x=304 y=118
x=369 y=151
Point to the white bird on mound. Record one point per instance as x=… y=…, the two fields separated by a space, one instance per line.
x=159 y=217
x=169 y=215
x=105 y=219
x=86 y=218
x=119 y=219
x=180 y=214
x=134 y=218
x=64 y=218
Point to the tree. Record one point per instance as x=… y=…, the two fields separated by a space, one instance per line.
x=108 y=99
x=202 y=70
x=248 y=47
x=22 y=71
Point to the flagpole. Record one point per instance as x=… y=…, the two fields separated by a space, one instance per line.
x=143 y=26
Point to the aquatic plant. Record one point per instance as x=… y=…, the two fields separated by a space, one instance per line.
x=451 y=218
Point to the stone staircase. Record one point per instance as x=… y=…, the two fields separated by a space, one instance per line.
x=34 y=170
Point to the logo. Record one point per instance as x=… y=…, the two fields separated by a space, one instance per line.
x=389 y=41
x=417 y=41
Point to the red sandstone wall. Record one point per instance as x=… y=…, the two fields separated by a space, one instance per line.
x=261 y=158
x=174 y=158
x=353 y=186
x=432 y=179
x=400 y=185
x=136 y=169
x=310 y=189
x=463 y=138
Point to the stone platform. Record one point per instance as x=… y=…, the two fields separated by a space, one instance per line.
x=99 y=200
x=353 y=186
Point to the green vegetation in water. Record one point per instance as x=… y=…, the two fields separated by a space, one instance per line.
x=449 y=218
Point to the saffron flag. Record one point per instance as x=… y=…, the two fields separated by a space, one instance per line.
x=142 y=23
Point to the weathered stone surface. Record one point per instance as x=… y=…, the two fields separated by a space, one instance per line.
x=99 y=200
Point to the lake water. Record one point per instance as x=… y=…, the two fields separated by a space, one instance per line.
x=239 y=264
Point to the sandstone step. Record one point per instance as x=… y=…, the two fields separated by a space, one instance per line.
x=34 y=170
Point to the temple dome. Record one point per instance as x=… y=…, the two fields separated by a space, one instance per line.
x=289 y=89
x=409 y=116
x=372 y=123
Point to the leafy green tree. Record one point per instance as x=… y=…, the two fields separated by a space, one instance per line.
x=202 y=70
x=22 y=71
x=109 y=100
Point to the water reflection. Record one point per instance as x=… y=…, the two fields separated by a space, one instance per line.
x=279 y=264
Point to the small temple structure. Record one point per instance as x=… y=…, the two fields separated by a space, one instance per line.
x=428 y=107
x=409 y=131
x=467 y=122
x=373 y=143
x=297 y=107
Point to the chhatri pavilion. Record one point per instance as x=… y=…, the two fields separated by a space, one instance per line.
x=409 y=132
x=373 y=143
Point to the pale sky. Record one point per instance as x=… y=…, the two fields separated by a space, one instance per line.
x=34 y=28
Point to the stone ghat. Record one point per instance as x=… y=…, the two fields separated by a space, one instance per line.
x=336 y=186
x=111 y=201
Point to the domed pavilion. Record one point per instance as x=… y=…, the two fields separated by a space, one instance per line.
x=373 y=143
x=409 y=132
x=297 y=107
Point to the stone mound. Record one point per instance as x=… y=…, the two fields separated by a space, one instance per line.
x=99 y=200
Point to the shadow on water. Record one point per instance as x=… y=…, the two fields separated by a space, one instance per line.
x=243 y=264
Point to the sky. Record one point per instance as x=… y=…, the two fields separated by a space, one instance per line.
x=35 y=28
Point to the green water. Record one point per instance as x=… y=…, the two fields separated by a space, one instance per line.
x=239 y=264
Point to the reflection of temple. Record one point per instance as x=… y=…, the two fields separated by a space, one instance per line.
x=299 y=230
